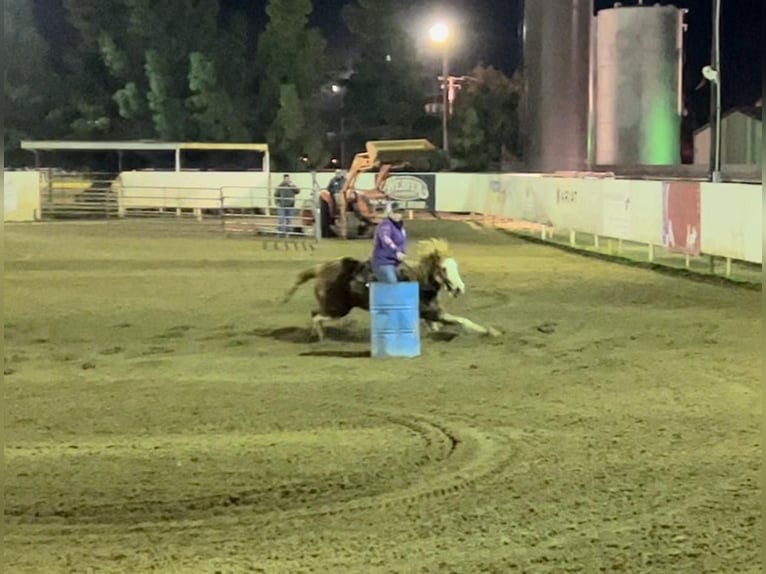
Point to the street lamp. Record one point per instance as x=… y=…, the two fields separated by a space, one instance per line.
x=440 y=34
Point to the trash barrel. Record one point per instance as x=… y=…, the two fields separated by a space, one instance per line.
x=395 y=319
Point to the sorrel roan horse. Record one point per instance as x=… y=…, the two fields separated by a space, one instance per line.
x=343 y=284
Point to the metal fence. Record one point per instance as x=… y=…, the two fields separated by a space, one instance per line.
x=249 y=211
x=77 y=196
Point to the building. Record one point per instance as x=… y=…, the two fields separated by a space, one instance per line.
x=741 y=138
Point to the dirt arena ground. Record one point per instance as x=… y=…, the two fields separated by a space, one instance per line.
x=165 y=414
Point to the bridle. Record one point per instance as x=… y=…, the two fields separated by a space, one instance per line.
x=439 y=275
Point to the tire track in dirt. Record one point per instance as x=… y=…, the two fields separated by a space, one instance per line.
x=458 y=456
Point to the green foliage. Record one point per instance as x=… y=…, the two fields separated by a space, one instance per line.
x=29 y=82
x=291 y=63
x=385 y=93
x=130 y=101
x=293 y=135
x=168 y=110
x=96 y=68
x=469 y=143
x=486 y=122
x=178 y=69
x=133 y=61
x=213 y=116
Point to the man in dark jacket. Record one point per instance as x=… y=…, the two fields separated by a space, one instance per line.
x=285 y=200
x=390 y=244
x=335 y=187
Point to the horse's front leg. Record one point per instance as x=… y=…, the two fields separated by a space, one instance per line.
x=468 y=325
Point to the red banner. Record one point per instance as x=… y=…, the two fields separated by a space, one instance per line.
x=682 y=216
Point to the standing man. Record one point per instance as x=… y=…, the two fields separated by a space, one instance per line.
x=390 y=244
x=285 y=199
x=335 y=187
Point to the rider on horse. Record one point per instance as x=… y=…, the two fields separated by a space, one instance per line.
x=390 y=244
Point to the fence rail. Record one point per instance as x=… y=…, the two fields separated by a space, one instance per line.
x=77 y=196
x=237 y=210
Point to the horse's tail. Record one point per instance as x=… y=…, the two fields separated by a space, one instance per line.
x=303 y=277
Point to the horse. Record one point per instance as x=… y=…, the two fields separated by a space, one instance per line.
x=343 y=284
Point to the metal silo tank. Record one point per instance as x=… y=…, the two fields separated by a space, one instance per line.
x=639 y=56
x=556 y=70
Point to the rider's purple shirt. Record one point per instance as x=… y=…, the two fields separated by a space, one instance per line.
x=390 y=238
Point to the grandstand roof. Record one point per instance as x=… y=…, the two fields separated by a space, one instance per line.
x=142 y=145
x=138 y=145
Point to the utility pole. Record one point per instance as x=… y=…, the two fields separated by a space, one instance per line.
x=714 y=76
x=445 y=90
x=343 y=142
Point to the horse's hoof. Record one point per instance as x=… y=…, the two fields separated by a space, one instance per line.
x=492 y=332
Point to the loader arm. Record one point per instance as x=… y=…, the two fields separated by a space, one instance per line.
x=385 y=155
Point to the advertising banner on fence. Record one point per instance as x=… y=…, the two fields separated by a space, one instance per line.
x=415 y=190
x=682 y=216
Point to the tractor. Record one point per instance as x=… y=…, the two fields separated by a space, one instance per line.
x=353 y=213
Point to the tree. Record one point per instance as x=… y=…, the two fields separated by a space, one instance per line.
x=29 y=81
x=486 y=122
x=214 y=117
x=167 y=69
x=99 y=67
x=291 y=64
x=469 y=142
x=287 y=127
x=386 y=93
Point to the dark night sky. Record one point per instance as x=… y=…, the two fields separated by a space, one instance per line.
x=490 y=30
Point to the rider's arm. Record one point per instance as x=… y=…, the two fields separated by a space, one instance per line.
x=385 y=237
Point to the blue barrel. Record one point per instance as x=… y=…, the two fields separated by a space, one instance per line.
x=395 y=319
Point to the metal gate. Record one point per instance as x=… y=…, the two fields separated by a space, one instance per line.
x=66 y=195
x=231 y=210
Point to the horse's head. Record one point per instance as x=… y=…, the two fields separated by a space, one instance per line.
x=440 y=267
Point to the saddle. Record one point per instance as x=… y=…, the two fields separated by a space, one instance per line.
x=363 y=275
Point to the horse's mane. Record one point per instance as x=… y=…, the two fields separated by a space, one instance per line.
x=430 y=253
x=433 y=249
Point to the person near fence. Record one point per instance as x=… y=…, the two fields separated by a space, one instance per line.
x=284 y=197
x=390 y=244
x=335 y=187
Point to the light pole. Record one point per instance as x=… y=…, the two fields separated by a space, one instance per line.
x=339 y=93
x=440 y=34
x=713 y=74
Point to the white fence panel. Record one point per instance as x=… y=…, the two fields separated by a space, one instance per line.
x=732 y=220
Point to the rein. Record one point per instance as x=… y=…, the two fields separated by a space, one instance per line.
x=416 y=270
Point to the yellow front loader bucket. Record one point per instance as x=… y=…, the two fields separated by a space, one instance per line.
x=392 y=152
